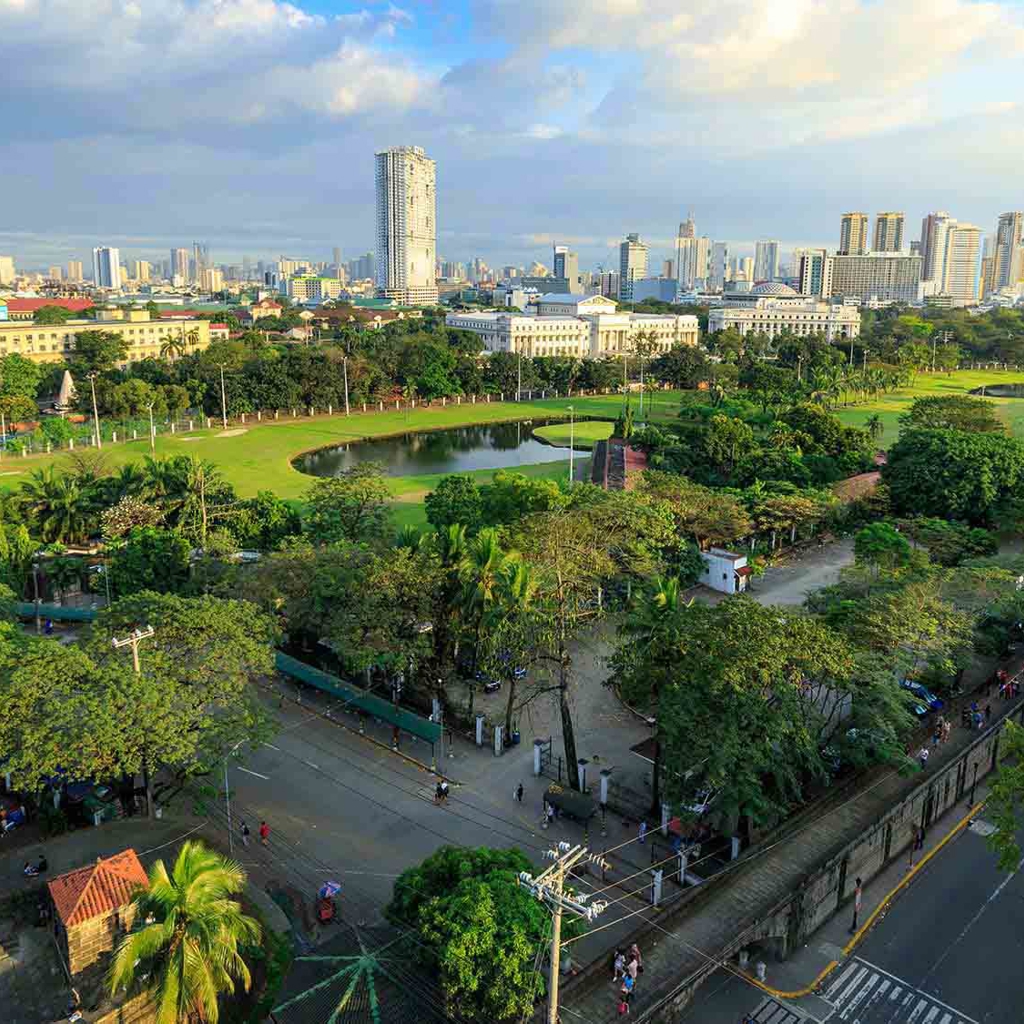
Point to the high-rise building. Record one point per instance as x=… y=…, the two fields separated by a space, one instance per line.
x=961 y=264
x=406 y=182
x=746 y=268
x=688 y=229
x=106 y=267
x=668 y=269
x=632 y=264
x=1009 y=250
x=6 y=269
x=55 y=273
x=693 y=257
x=853 y=233
x=566 y=265
x=336 y=253
x=200 y=260
x=766 y=261
x=141 y=270
x=719 y=265
x=814 y=268
x=212 y=280
x=888 y=232
x=74 y=270
x=987 y=277
x=933 y=245
x=179 y=266
x=885 y=276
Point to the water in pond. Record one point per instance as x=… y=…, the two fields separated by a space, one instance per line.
x=454 y=450
x=1000 y=391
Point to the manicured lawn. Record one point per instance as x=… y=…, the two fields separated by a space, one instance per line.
x=891 y=407
x=583 y=434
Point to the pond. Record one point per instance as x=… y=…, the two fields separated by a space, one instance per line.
x=1000 y=391
x=452 y=450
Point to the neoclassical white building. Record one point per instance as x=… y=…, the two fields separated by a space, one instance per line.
x=586 y=327
x=772 y=308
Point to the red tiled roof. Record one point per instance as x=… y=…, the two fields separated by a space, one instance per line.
x=31 y=305
x=90 y=891
x=223 y=327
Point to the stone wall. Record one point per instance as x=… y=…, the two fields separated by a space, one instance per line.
x=139 y=1009
x=88 y=941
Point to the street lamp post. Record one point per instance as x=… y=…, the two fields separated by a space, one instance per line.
x=132 y=640
x=95 y=410
x=519 y=379
x=344 y=367
x=223 y=399
x=35 y=589
x=152 y=429
x=572 y=437
x=227 y=796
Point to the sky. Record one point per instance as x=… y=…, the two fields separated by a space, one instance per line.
x=252 y=124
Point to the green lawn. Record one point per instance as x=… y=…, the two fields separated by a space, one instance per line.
x=583 y=434
x=891 y=407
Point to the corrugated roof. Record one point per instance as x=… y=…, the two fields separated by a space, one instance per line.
x=90 y=891
x=32 y=305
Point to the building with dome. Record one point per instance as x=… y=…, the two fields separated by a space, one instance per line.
x=773 y=307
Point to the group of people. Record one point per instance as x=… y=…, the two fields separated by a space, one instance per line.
x=30 y=870
x=243 y=829
x=626 y=968
x=1008 y=688
x=441 y=792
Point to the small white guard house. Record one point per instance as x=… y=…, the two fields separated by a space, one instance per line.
x=725 y=571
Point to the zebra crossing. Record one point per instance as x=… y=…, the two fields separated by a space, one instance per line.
x=865 y=994
x=772 y=1012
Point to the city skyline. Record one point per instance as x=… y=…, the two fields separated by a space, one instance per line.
x=251 y=162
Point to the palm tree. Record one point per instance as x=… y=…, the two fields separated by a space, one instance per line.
x=192 y=338
x=184 y=946
x=61 y=507
x=874 y=426
x=517 y=593
x=172 y=346
x=130 y=481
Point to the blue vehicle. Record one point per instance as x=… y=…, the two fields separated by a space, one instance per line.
x=925 y=696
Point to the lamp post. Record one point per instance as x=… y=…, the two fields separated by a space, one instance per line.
x=132 y=640
x=152 y=429
x=223 y=400
x=95 y=410
x=572 y=437
x=227 y=796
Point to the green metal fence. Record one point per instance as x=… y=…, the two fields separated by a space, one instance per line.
x=57 y=612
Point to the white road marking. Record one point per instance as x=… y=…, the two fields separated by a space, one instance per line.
x=250 y=772
x=316 y=767
x=272 y=747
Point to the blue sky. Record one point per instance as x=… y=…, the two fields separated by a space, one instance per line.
x=252 y=123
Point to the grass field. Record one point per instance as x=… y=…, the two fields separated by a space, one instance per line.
x=258 y=457
x=583 y=434
x=891 y=407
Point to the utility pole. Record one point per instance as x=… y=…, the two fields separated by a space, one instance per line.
x=344 y=369
x=223 y=400
x=132 y=640
x=95 y=410
x=152 y=430
x=519 y=379
x=572 y=438
x=548 y=887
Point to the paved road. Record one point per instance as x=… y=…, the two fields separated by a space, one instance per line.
x=947 y=952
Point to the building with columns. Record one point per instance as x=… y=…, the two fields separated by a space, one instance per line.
x=773 y=308
x=589 y=327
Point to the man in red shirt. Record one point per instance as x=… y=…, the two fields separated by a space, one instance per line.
x=264 y=832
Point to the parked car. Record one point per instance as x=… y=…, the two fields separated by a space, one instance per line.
x=924 y=696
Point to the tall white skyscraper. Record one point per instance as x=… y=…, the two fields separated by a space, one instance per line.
x=6 y=269
x=106 y=267
x=933 y=245
x=1009 y=249
x=692 y=259
x=179 y=265
x=74 y=270
x=766 y=261
x=406 y=181
x=632 y=265
x=719 y=266
x=962 y=263
x=566 y=265
x=853 y=233
x=814 y=267
x=888 y=232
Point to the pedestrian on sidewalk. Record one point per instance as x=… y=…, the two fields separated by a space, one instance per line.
x=858 y=892
x=643 y=832
x=988 y=713
x=923 y=758
x=618 y=965
x=632 y=967
x=634 y=952
x=977 y=719
x=519 y=793
x=444 y=791
x=438 y=795
x=937 y=734
x=919 y=838
x=947 y=728
x=264 y=833
x=244 y=830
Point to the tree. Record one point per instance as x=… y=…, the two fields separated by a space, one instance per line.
x=263 y=523
x=742 y=716
x=60 y=507
x=569 y=554
x=881 y=546
x=953 y=474
x=187 y=940
x=352 y=506
x=683 y=366
x=511 y=497
x=456 y=499
x=52 y=315
x=1006 y=799
x=478 y=929
x=172 y=346
x=948 y=543
x=98 y=350
x=874 y=426
x=954 y=412
x=20 y=377
x=150 y=559
x=16 y=408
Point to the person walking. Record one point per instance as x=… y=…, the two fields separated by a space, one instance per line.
x=244 y=832
x=264 y=833
x=618 y=965
x=444 y=791
x=643 y=832
x=634 y=952
x=519 y=793
x=923 y=758
x=627 y=986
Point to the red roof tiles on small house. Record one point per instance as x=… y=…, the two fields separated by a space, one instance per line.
x=97 y=889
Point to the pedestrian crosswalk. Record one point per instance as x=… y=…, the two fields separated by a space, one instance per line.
x=865 y=994
x=772 y=1012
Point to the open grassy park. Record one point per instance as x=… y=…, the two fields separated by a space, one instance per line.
x=259 y=456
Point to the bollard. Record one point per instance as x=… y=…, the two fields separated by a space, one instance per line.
x=259 y=415
x=294 y=413
x=656 y=877
x=444 y=401
x=330 y=409
x=474 y=399
x=364 y=407
x=581 y=773
x=114 y=435
x=605 y=776
x=71 y=444
x=537 y=745
x=498 y=748
x=243 y=421
x=665 y=816
x=501 y=397
x=762 y=970
x=684 y=856
x=172 y=424
x=311 y=410
x=458 y=399
x=480 y=732
x=135 y=435
x=381 y=405
x=734 y=850
x=191 y=425
x=277 y=413
x=24 y=453
x=208 y=423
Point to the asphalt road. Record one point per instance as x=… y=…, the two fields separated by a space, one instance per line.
x=947 y=952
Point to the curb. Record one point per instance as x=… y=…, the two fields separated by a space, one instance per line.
x=882 y=906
